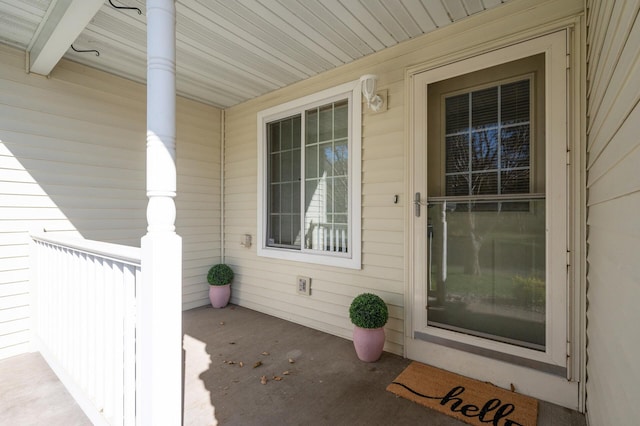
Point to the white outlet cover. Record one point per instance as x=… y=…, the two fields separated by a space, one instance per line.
x=303 y=285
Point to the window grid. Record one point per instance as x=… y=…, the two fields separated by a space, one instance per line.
x=324 y=231
x=469 y=173
x=319 y=206
x=284 y=179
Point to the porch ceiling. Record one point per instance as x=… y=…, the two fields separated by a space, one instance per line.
x=232 y=51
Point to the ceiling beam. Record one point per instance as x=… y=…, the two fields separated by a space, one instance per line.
x=63 y=25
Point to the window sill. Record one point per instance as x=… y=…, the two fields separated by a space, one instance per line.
x=346 y=261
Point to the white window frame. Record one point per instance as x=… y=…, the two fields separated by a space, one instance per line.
x=353 y=92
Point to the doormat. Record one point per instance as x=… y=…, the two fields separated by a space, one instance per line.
x=465 y=399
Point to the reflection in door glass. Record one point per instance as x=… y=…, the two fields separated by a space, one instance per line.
x=486 y=263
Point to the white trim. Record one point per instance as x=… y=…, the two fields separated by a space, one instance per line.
x=117 y=252
x=223 y=143
x=578 y=188
x=352 y=260
x=554 y=46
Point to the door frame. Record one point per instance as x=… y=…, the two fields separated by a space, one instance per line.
x=565 y=390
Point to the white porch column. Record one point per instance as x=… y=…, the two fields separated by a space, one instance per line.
x=159 y=349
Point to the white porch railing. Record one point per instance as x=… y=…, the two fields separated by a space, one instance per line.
x=84 y=322
x=329 y=237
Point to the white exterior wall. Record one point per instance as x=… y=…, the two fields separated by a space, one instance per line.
x=613 y=184
x=72 y=159
x=198 y=196
x=268 y=285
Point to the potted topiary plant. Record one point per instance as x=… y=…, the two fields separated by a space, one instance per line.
x=369 y=314
x=220 y=277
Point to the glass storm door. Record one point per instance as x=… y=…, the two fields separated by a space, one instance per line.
x=488 y=247
x=486 y=224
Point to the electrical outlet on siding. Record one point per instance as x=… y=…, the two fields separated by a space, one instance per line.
x=303 y=285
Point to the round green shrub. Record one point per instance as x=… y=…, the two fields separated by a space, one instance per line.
x=368 y=311
x=220 y=274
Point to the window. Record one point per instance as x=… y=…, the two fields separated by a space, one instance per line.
x=309 y=183
x=487 y=133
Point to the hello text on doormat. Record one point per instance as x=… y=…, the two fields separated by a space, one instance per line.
x=465 y=399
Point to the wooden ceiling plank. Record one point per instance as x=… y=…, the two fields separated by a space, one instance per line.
x=225 y=45
x=456 y=9
x=221 y=74
x=488 y=4
x=268 y=76
x=22 y=11
x=438 y=12
x=419 y=14
x=403 y=16
x=104 y=34
x=224 y=22
x=386 y=13
x=351 y=39
x=473 y=6
x=65 y=22
x=370 y=22
x=335 y=42
x=276 y=39
x=125 y=63
x=350 y=20
x=305 y=33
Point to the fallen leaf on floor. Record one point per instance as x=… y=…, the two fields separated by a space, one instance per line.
x=285 y=373
x=265 y=353
x=257 y=364
x=263 y=380
x=291 y=361
x=277 y=378
x=241 y=364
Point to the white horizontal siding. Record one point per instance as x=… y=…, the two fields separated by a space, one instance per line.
x=72 y=159
x=198 y=200
x=268 y=285
x=613 y=184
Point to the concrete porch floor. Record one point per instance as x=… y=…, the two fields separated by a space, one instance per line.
x=324 y=385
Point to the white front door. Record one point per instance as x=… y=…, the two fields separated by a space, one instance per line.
x=489 y=237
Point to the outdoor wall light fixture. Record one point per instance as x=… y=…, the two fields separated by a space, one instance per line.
x=374 y=102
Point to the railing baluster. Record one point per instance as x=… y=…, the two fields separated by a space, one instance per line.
x=100 y=343
x=108 y=338
x=84 y=335
x=129 y=346
x=91 y=337
x=331 y=240
x=85 y=322
x=118 y=344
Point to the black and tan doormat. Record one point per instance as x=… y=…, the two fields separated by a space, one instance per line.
x=465 y=399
